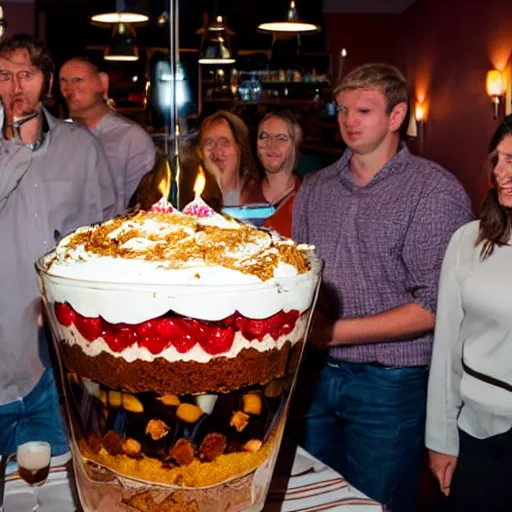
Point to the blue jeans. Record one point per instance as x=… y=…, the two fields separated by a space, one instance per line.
x=35 y=417
x=367 y=422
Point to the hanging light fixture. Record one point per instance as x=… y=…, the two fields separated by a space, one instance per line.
x=216 y=52
x=218 y=25
x=215 y=49
x=292 y=25
x=126 y=11
x=122 y=46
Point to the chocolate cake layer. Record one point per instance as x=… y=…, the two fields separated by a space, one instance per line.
x=219 y=375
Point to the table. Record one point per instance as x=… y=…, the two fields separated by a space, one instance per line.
x=301 y=483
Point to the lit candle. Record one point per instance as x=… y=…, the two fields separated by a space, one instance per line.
x=164 y=187
x=198 y=208
x=200 y=182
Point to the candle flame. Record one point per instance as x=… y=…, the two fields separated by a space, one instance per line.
x=164 y=185
x=200 y=182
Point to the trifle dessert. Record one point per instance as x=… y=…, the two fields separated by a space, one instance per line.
x=179 y=335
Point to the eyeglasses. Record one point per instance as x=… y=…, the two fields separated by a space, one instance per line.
x=265 y=138
x=222 y=143
x=24 y=74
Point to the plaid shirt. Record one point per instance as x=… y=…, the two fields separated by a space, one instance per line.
x=382 y=244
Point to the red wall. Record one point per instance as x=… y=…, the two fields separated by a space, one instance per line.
x=450 y=47
x=20 y=17
x=445 y=47
x=366 y=37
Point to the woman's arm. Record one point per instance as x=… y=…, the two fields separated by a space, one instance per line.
x=444 y=400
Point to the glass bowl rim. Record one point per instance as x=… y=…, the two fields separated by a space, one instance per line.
x=316 y=267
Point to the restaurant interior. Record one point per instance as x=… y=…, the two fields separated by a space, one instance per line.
x=457 y=57
x=445 y=48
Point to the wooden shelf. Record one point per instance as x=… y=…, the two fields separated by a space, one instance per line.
x=267 y=101
x=219 y=100
x=273 y=83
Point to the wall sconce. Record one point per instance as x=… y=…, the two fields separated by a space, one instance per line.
x=495 y=87
x=420 y=112
x=343 y=56
x=415 y=128
x=412 y=127
x=416 y=119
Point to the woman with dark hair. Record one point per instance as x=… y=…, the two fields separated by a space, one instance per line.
x=279 y=138
x=225 y=148
x=469 y=408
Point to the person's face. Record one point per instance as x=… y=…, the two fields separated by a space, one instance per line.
x=275 y=146
x=21 y=84
x=81 y=86
x=364 y=122
x=219 y=146
x=503 y=171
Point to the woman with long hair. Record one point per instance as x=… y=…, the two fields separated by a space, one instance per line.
x=469 y=408
x=225 y=148
x=279 y=138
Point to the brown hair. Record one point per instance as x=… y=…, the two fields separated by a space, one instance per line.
x=495 y=219
x=39 y=55
x=294 y=129
x=384 y=77
x=247 y=170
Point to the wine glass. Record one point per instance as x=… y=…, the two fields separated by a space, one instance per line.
x=34 y=465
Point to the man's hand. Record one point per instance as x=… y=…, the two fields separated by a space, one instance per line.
x=321 y=332
x=442 y=466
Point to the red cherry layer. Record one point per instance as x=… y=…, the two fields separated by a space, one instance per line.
x=182 y=333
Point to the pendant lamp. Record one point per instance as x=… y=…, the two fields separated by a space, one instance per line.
x=292 y=24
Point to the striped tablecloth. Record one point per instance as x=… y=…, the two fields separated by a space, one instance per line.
x=301 y=483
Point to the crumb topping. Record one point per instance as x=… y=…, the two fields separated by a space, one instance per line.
x=177 y=241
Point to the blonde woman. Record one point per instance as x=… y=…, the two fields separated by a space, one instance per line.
x=279 y=138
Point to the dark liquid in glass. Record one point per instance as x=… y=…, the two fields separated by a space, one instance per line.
x=34 y=476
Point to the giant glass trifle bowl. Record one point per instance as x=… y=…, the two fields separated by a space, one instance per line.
x=177 y=395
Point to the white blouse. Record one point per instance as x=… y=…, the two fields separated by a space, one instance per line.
x=474 y=318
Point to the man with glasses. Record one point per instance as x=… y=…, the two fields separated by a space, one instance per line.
x=54 y=177
x=381 y=219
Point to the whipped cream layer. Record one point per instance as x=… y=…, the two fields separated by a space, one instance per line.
x=141 y=266
x=72 y=336
x=171 y=247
